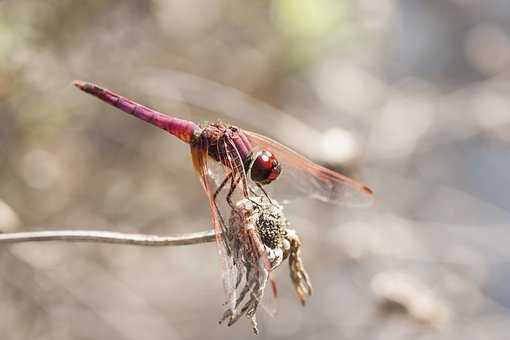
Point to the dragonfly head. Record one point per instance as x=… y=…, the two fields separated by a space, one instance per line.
x=264 y=167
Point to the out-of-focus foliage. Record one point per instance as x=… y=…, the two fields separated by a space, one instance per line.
x=410 y=96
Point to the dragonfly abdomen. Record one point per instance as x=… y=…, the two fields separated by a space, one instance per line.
x=183 y=129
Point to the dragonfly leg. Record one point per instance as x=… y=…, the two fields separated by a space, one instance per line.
x=255 y=193
x=234 y=181
x=255 y=202
x=265 y=193
x=217 y=192
x=222 y=220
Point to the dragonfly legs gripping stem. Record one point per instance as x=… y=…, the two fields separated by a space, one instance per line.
x=225 y=180
x=222 y=220
x=234 y=182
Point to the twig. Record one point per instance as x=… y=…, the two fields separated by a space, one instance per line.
x=108 y=237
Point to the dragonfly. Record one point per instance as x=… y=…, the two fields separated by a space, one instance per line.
x=250 y=162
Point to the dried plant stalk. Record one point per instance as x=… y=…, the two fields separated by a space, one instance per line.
x=108 y=237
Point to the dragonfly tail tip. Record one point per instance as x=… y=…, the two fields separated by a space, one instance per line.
x=368 y=190
x=87 y=87
x=79 y=84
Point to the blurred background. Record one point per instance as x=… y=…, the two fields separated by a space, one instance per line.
x=412 y=97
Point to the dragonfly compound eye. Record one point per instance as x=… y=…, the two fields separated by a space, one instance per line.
x=265 y=168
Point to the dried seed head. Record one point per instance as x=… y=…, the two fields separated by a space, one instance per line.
x=271 y=225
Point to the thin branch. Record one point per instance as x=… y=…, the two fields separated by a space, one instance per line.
x=108 y=237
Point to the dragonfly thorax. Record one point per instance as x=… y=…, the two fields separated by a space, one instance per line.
x=228 y=144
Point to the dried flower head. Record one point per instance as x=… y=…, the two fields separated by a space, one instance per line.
x=259 y=240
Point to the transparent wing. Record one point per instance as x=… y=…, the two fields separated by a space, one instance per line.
x=230 y=156
x=199 y=154
x=313 y=180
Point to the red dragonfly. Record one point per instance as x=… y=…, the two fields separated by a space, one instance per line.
x=249 y=160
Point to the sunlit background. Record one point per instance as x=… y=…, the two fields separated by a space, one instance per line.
x=410 y=96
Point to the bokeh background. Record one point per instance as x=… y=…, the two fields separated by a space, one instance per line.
x=410 y=96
